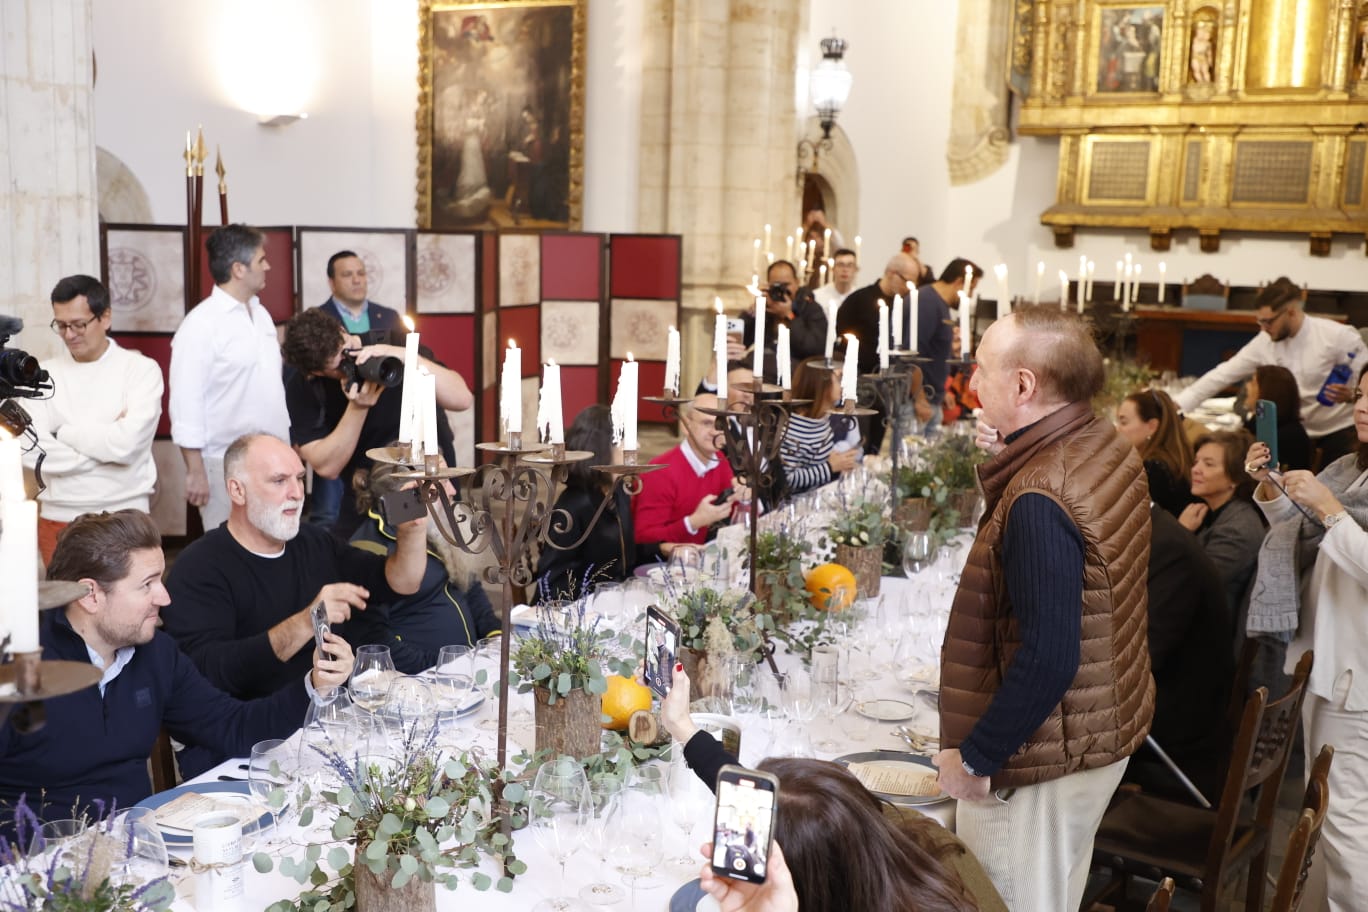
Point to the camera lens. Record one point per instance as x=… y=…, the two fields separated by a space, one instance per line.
x=18 y=368
x=388 y=371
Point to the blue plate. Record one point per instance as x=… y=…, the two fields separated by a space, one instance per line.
x=236 y=791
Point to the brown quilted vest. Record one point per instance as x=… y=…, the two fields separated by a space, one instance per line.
x=1079 y=462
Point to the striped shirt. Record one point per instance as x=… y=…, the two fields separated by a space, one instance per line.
x=804 y=450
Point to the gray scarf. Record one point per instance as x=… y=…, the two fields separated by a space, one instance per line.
x=1290 y=549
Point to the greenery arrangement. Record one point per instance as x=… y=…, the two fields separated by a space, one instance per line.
x=860 y=523
x=420 y=816
x=719 y=621
x=780 y=557
x=78 y=881
x=1122 y=377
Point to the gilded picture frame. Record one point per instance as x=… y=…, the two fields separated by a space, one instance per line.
x=1129 y=49
x=500 y=117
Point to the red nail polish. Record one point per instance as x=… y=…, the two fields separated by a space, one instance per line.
x=679 y=666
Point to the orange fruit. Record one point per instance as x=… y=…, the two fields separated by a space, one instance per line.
x=831 y=587
x=623 y=697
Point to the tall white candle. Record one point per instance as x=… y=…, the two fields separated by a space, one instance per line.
x=758 y=368
x=821 y=275
x=671 y=362
x=883 y=336
x=1116 y=286
x=19 y=570
x=857 y=251
x=826 y=242
x=720 y=348
x=550 y=418
x=850 y=376
x=783 y=358
x=1040 y=277
x=1163 y=275
x=769 y=248
x=788 y=248
x=831 y=309
x=1092 y=270
x=898 y=318
x=11 y=469
x=511 y=394
x=1135 y=285
x=914 y=313
x=407 y=393
x=624 y=406
x=1063 y=290
x=966 y=334
x=427 y=404
x=755 y=256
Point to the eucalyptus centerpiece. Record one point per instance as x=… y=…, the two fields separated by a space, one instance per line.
x=859 y=531
x=405 y=824
x=781 y=557
x=717 y=624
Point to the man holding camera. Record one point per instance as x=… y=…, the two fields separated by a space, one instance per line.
x=793 y=306
x=345 y=399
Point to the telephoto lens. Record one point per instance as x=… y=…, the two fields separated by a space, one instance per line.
x=19 y=368
x=387 y=371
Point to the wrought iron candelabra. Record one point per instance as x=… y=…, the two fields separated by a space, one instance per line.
x=26 y=680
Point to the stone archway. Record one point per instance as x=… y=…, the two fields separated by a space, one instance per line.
x=122 y=197
x=836 y=174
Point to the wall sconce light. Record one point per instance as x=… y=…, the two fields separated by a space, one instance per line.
x=280 y=120
x=829 y=86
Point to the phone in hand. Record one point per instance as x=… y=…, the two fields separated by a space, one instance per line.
x=720 y=499
x=399 y=507
x=662 y=645
x=1266 y=428
x=736 y=327
x=321 y=627
x=743 y=824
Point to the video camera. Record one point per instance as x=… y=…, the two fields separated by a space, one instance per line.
x=21 y=376
x=387 y=371
x=778 y=292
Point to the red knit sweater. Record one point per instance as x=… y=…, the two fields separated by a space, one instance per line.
x=672 y=493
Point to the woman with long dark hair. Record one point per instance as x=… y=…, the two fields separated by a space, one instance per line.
x=610 y=552
x=808 y=449
x=1150 y=421
x=1278 y=385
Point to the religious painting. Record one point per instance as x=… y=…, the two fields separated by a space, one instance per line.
x=1130 y=40
x=501 y=114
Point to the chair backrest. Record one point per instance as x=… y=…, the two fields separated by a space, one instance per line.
x=1163 y=895
x=1262 y=747
x=1301 y=844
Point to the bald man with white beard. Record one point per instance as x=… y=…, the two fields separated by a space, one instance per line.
x=241 y=595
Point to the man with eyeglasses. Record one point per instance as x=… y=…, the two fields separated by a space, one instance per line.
x=1307 y=346
x=97 y=427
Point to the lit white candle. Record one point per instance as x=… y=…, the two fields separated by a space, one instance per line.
x=427 y=404
x=1135 y=285
x=758 y=368
x=1040 y=277
x=1163 y=274
x=850 y=376
x=883 y=336
x=407 y=393
x=755 y=256
x=1082 y=281
x=826 y=242
x=720 y=348
x=1092 y=270
x=19 y=570
x=1005 y=304
x=914 y=312
x=1063 y=290
x=811 y=249
x=769 y=248
x=857 y=251
x=821 y=275
x=831 y=309
x=624 y=408
x=1116 y=287
x=788 y=248
x=511 y=394
x=966 y=339
x=11 y=468
x=783 y=358
x=769 y=258
x=898 y=318
x=671 y=363
x=550 y=418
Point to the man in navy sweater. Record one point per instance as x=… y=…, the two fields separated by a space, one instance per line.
x=96 y=742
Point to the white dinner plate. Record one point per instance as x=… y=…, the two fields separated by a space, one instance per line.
x=236 y=793
x=886 y=710
x=897 y=760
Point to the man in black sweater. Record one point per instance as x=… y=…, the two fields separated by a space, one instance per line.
x=241 y=595
x=789 y=304
x=96 y=742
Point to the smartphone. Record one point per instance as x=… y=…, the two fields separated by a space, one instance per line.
x=662 y=644
x=736 y=327
x=1266 y=428
x=743 y=824
x=720 y=499
x=321 y=627
x=399 y=507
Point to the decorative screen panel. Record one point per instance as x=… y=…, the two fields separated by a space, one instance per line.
x=1353 y=173
x=1192 y=172
x=1119 y=171
x=1272 y=172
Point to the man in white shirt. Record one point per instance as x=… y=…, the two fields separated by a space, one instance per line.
x=843 y=269
x=97 y=427
x=1309 y=347
x=225 y=369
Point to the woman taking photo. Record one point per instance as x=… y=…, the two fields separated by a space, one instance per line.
x=1278 y=386
x=1149 y=420
x=1313 y=584
x=808 y=450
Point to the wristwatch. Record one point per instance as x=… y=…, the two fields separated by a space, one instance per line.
x=969 y=769
x=1330 y=520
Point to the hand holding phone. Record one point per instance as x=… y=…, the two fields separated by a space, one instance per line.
x=1266 y=428
x=663 y=634
x=321 y=627
x=743 y=823
x=399 y=507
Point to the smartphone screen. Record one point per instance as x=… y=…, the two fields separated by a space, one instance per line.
x=321 y=627
x=662 y=644
x=1266 y=428
x=744 y=823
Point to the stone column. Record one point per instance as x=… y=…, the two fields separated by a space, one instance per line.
x=719 y=135
x=48 y=192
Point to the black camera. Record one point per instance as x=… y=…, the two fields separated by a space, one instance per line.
x=387 y=371
x=20 y=373
x=778 y=291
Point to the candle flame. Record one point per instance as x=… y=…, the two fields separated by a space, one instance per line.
x=550 y=362
x=717 y=304
x=512 y=343
x=408 y=322
x=629 y=357
x=672 y=329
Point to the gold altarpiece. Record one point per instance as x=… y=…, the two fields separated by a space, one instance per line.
x=1200 y=115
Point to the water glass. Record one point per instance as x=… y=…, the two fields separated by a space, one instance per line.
x=690 y=801
x=560 y=817
x=271 y=773
x=605 y=798
x=454 y=677
x=634 y=840
x=916 y=553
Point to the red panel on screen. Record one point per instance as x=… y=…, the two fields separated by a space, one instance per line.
x=644 y=266
x=452 y=340
x=278 y=297
x=579 y=390
x=650 y=381
x=571 y=267
x=523 y=325
x=489 y=271
x=158 y=348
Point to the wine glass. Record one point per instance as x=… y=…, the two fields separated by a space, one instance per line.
x=689 y=801
x=916 y=553
x=270 y=777
x=634 y=839
x=605 y=796
x=561 y=811
x=142 y=856
x=454 y=675
x=487 y=659
x=371 y=677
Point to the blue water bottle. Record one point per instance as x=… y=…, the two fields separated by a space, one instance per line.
x=1340 y=373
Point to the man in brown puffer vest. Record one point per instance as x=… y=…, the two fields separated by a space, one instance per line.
x=1045 y=675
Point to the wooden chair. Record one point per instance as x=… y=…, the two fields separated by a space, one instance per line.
x=162 y=763
x=1163 y=895
x=1151 y=837
x=1206 y=292
x=1301 y=845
